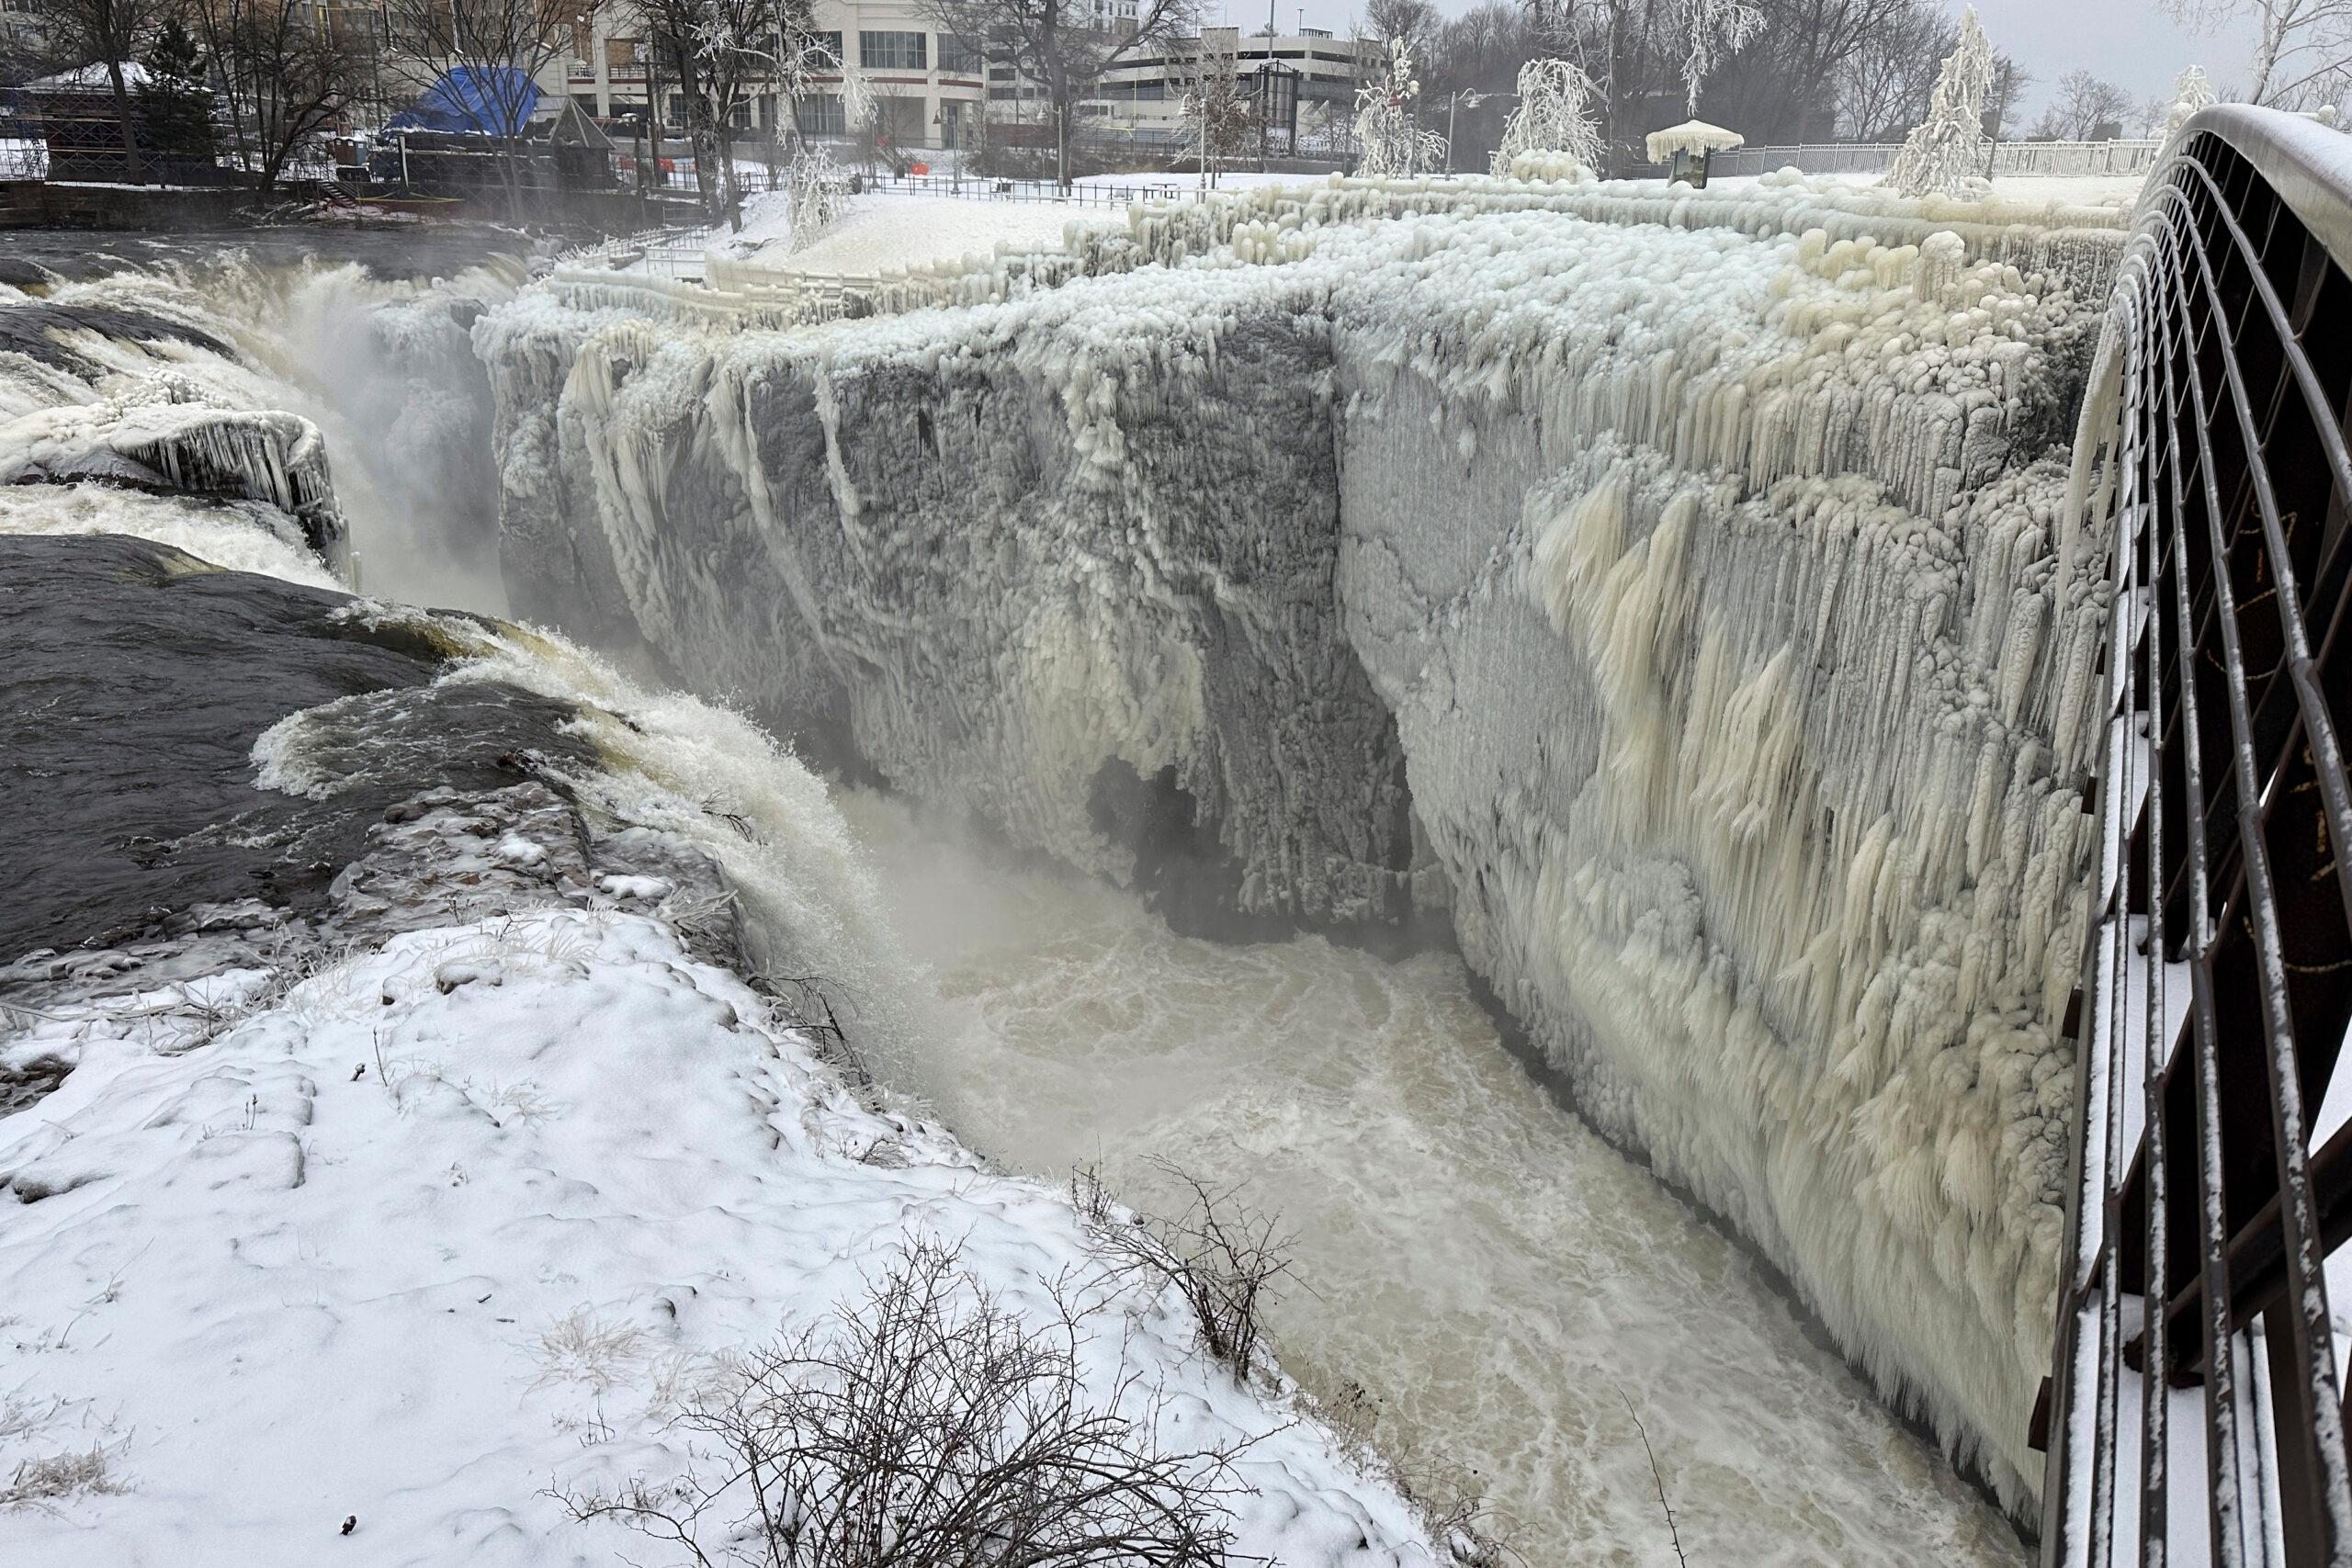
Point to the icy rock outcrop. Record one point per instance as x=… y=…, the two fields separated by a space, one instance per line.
x=1700 y=574
x=166 y=438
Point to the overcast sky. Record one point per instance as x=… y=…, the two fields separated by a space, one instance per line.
x=2129 y=42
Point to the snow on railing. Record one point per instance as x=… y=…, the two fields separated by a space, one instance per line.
x=974 y=187
x=2061 y=158
x=2194 y=1411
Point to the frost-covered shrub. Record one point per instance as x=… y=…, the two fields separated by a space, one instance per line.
x=816 y=191
x=1948 y=147
x=1554 y=122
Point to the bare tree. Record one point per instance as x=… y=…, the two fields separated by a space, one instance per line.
x=1220 y=116
x=2303 y=53
x=283 y=75
x=1398 y=27
x=2084 y=107
x=1057 y=46
x=1471 y=64
x=717 y=50
x=1885 y=83
x=501 y=48
x=930 y=1427
x=109 y=35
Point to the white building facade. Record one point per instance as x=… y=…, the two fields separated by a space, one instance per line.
x=927 y=88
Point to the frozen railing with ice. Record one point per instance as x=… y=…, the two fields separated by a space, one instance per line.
x=1275 y=223
x=2194 y=1412
x=2074 y=159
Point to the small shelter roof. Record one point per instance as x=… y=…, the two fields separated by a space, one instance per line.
x=1690 y=136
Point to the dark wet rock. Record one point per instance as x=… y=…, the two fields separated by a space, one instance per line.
x=139 y=680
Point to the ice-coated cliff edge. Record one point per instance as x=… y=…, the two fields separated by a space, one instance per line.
x=1676 y=600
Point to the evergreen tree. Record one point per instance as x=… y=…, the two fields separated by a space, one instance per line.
x=175 y=101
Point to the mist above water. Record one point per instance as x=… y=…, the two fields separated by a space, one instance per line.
x=1499 y=1280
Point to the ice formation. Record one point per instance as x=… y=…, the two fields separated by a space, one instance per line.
x=1690 y=136
x=1664 y=583
x=157 y=441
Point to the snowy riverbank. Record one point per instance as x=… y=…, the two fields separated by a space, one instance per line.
x=450 y=1223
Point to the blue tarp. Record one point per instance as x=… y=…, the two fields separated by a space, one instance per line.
x=496 y=100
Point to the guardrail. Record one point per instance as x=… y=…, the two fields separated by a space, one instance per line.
x=2070 y=158
x=975 y=188
x=2195 y=1408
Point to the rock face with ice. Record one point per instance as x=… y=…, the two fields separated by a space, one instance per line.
x=1669 y=589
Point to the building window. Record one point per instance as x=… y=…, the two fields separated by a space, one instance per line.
x=832 y=44
x=892 y=52
x=1002 y=95
x=820 y=114
x=956 y=57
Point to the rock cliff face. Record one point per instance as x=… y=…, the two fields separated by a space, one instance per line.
x=1680 y=606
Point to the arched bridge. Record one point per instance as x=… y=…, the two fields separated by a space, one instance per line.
x=2195 y=1412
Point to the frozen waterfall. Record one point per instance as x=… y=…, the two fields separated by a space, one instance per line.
x=1665 y=590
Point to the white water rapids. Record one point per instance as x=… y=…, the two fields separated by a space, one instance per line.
x=1508 y=1289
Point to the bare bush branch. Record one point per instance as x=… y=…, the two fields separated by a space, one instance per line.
x=929 y=1427
x=1226 y=1259
x=1657 y=1476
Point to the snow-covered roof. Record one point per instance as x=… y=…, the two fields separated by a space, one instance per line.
x=135 y=76
x=1690 y=136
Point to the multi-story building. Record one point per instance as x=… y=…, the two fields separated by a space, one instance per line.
x=23 y=28
x=1143 y=97
x=928 y=88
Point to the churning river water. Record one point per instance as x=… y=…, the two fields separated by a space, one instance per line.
x=1508 y=1292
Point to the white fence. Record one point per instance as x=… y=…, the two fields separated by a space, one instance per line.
x=2073 y=158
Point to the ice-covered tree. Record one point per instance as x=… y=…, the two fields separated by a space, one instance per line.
x=2190 y=91
x=1394 y=147
x=1557 y=113
x=816 y=192
x=1710 y=30
x=1948 y=147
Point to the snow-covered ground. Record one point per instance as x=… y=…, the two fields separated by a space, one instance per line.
x=460 y=1220
x=887 y=230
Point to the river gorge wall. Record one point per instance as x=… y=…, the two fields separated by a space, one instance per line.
x=1681 y=608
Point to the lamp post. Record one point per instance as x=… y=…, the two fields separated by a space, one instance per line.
x=1461 y=98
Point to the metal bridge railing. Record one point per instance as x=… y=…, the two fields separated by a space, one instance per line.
x=2195 y=1412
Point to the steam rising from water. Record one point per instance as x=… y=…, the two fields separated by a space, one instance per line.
x=1490 y=1270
